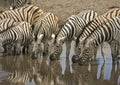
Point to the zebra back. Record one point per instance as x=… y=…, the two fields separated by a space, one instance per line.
x=112 y=13
x=88 y=15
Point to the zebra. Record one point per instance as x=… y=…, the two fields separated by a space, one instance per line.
x=70 y=31
x=4 y=25
x=91 y=28
x=48 y=28
x=19 y=35
x=107 y=31
x=19 y=3
x=28 y=13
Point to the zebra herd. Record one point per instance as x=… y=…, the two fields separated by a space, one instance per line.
x=88 y=34
x=29 y=27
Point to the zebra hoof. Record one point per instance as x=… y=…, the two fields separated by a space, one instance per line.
x=75 y=58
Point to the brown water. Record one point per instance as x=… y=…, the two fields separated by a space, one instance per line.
x=22 y=70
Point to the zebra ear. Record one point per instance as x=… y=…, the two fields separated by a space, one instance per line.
x=1 y=49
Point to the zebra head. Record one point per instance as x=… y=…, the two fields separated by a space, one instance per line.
x=78 y=49
x=82 y=58
x=86 y=51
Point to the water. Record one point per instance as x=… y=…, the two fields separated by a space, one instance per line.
x=22 y=70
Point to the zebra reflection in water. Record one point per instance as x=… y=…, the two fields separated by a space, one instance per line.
x=25 y=70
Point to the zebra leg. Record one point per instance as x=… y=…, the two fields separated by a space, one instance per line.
x=46 y=48
x=94 y=53
x=102 y=51
x=114 y=50
x=68 y=46
x=18 y=49
x=25 y=49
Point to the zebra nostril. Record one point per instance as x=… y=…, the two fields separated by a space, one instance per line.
x=75 y=58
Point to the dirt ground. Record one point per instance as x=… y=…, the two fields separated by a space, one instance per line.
x=65 y=8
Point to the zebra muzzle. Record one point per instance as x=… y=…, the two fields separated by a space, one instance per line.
x=75 y=58
x=83 y=60
x=54 y=57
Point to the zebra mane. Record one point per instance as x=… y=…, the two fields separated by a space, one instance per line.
x=112 y=7
x=77 y=40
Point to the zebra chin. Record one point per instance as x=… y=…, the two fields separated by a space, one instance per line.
x=54 y=57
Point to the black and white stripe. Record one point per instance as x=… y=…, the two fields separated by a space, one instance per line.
x=88 y=30
x=47 y=31
x=18 y=35
x=112 y=12
x=108 y=31
x=73 y=27
x=97 y=21
x=6 y=23
x=88 y=15
x=28 y=13
x=18 y=3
